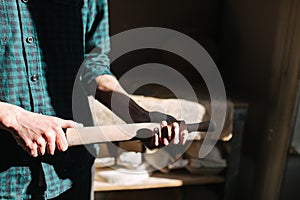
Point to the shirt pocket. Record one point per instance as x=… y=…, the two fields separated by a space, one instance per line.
x=4 y=28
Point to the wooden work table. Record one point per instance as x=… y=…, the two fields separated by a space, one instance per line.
x=175 y=178
x=175 y=185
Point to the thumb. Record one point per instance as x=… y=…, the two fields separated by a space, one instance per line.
x=68 y=123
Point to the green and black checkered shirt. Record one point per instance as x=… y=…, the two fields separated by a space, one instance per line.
x=43 y=44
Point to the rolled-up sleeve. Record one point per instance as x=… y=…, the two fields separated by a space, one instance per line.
x=96 y=40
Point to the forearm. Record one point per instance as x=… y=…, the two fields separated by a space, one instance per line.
x=112 y=95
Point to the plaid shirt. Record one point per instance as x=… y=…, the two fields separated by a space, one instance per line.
x=43 y=43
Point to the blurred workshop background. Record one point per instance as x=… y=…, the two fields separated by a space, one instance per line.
x=256 y=47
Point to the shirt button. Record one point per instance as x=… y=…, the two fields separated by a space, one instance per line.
x=34 y=78
x=25 y=1
x=29 y=40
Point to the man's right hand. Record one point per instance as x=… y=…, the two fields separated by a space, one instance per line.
x=36 y=133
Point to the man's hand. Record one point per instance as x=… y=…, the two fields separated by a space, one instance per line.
x=36 y=133
x=172 y=133
x=175 y=133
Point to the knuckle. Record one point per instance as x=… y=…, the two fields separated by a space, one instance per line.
x=52 y=122
x=45 y=128
x=32 y=147
x=57 y=129
x=156 y=131
x=29 y=144
x=56 y=125
x=40 y=140
x=175 y=124
x=164 y=123
x=50 y=136
x=70 y=122
x=182 y=123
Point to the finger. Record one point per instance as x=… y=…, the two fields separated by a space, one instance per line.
x=41 y=145
x=78 y=125
x=163 y=124
x=183 y=136
x=175 y=133
x=67 y=123
x=182 y=126
x=33 y=150
x=164 y=133
x=165 y=141
x=50 y=140
x=61 y=140
x=183 y=132
x=156 y=136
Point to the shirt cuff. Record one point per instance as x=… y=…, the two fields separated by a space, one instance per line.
x=95 y=65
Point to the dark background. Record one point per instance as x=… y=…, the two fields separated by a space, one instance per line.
x=243 y=39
